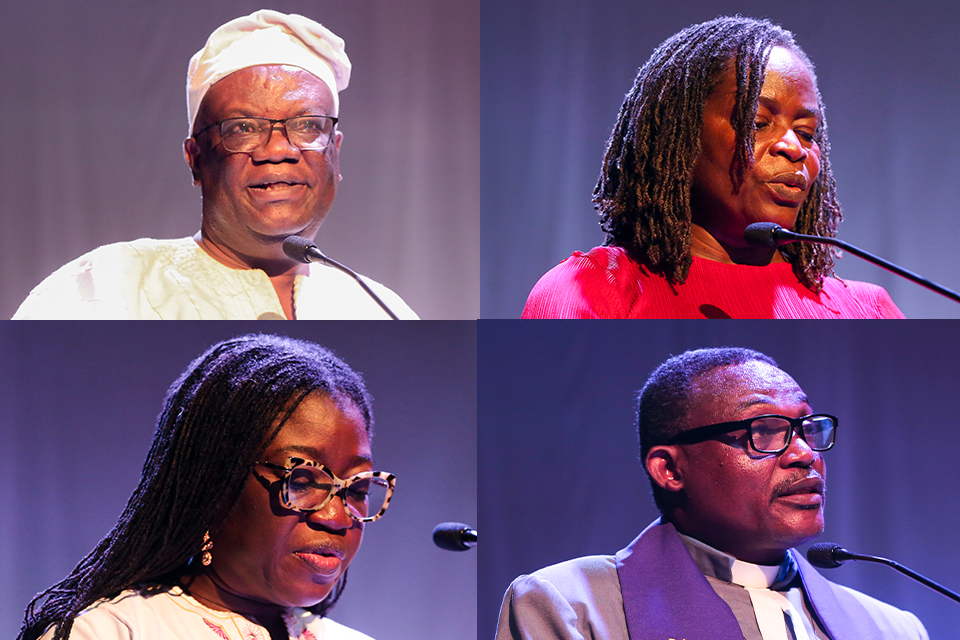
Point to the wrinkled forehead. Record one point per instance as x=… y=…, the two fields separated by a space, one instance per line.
x=733 y=392
x=266 y=90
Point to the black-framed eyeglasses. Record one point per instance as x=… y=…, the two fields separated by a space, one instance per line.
x=771 y=433
x=309 y=486
x=244 y=135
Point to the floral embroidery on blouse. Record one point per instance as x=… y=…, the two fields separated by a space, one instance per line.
x=217 y=629
x=252 y=633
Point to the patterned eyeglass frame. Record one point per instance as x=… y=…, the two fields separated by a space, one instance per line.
x=699 y=434
x=339 y=486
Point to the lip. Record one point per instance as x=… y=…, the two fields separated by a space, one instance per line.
x=325 y=561
x=790 y=179
x=805 y=492
x=276 y=181
x=276 y=190
x=787 y=195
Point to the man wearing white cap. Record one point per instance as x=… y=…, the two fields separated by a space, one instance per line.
x=262 y=99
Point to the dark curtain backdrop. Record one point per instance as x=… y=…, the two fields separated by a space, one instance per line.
x=77 y=409
x=555 y=73
x=558 y=452
x=92 y=97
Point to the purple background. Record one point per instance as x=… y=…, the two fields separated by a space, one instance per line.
x=77 y=410
x=558 y=449
x=556 y=71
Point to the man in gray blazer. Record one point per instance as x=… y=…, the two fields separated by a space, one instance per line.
x=733 y=452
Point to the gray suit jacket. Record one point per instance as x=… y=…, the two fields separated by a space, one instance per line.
x=581 y=599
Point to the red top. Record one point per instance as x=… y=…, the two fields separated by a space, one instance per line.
x=606 y=283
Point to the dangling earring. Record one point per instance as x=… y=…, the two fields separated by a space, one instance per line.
x=207 y=547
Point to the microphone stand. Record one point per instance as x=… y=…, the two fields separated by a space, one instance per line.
x=782 y=236
x=336 y=265
x=841 y=555
x=303 y=250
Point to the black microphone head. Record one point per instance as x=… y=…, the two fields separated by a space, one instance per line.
x=827 y=555
x=454 y=536
x=762 y=234
x=296 y=248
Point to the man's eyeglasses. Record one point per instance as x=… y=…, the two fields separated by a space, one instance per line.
x=771 y=433
x=309 y=486
x=243 y=135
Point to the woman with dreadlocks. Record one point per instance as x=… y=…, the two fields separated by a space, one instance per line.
x=724 y=127
x=251 y=506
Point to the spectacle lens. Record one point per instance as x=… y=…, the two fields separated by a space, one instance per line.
x=243 y=135
x=772 y=434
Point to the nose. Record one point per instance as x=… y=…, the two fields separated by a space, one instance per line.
x=333 y=516
x=790 y=146
x=798 y=453
x=278 y=147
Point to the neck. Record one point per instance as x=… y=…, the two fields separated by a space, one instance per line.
x=273 y=265
x=210 y=591
x=707 y=246
x=282 y=272
x=738 y=546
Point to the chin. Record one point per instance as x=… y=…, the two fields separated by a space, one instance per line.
x=306 y=598
x=805 y=532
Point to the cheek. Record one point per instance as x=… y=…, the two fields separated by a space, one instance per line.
x=813 y=162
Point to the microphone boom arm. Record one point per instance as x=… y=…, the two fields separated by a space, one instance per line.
x=336 y=265
x=880 y=262
x=904 y=570
x=775 y=235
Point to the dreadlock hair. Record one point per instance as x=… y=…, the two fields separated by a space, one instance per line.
x=664 y=401
x=217 y=420
x=643 y=193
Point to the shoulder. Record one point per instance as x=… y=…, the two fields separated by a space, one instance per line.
x=872 y=299
x=597 y=284
x=588 y=569
x=893 y=622
x=120 y=617
x=98 y=284
x=581 y=584
x=575 y=599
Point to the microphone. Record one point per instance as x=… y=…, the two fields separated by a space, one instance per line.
x=770 y=234
x=303 y=250
x=827 y=555
x=454 y=536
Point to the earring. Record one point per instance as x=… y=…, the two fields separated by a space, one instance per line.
x=207 y=547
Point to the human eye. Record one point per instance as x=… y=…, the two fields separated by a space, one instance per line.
x=306 y=125
x=815 y=425
x=359 y=490
x=305 y=479
x=240 y=127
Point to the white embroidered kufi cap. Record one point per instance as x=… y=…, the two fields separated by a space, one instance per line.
x=267 y=37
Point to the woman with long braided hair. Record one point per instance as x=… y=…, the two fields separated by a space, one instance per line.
x=250 y=508
x=724 y=127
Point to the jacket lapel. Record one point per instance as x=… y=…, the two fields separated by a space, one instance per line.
x=843 y=616
x=665 y=596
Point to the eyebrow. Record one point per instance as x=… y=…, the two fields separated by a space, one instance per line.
x=766 y=400
x=317 y=455
x=803 y=112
